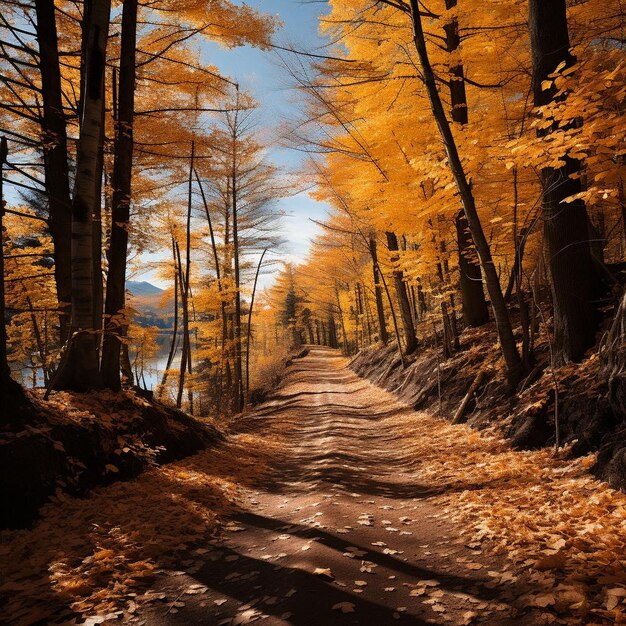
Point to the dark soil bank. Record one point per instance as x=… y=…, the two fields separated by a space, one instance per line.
x=76 y=442
x=591 y=399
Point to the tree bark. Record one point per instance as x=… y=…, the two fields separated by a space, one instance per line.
x=115 y=304
x=96 y=241
x=378 y=291
x=410 y=339
x=368 y=315
x=14 y=400
x=249 y=331
x=5 y=372
x=172 y=352
x=80 y=370
x=622 y=203
x=218 y=275
x=185 y=359
x=508 y=346
x=474 y=305
x=332 y=332
x=54 y=135
x=344 y=335
x=238 y=394
x=183 y=353
x=566 y=230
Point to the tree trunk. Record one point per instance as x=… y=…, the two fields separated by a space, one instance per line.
x=378 y=291
x=125 y=366
x=5 y=372
x=14 y=399
x=238 y=396
x=447 y=339
x=38 y=339
x=116 y=318
x=185 y=359
x=344 y=335
x=96 y=241
x=172 y=352
x=332 y=332
x=249 y=331
x=402 y=295
x=421 y=301
x=622 y=203
x=450 y=334
x=565 y=225
x=183 y=355
x=54 y=136
x=219 y=280
x=508 y=346
x=366 y=325
x=369 y=320
x=474 y=305
x=80 y=370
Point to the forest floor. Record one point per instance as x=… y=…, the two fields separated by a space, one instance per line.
x=333 y=503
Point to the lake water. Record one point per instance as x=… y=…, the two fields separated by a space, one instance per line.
x=150 y=374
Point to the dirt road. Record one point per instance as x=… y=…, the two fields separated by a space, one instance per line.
x=345 y=529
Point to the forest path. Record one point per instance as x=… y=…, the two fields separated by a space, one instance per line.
x=347 y=527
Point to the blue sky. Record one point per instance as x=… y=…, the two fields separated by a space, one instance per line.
x=260 y=73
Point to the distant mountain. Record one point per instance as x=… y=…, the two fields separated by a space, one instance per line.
x=151 y=306
x=142 y=288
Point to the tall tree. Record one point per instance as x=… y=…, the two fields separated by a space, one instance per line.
x=249 y=331
x=79 y=369
x=115 y=304
x=13 y=397
x=235 y=132
x=378 y=290
x=410 y=338
x=55 y=149
x=475 y=311
x=566 y=229
x=185 y=285
x=508 y=346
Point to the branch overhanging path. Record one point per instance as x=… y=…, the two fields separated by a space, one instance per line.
x=333 y=504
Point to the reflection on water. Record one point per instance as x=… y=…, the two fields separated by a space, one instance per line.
x=148 y=373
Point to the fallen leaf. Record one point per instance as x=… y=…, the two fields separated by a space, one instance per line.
x=552 y=561
x=344 y=607
x=324 y=572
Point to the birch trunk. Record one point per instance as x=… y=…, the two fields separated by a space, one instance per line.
x=116 y=319
x=80 y=371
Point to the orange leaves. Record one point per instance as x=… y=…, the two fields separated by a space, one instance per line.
x=551 y=561
x=98 y=553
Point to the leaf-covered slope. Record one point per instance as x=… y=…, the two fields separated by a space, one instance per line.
x=79 y=441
